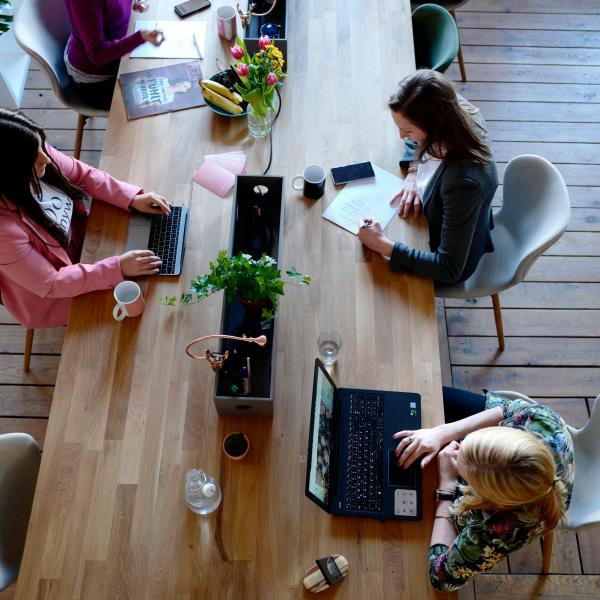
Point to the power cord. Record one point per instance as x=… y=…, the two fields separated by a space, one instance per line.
x=271 y=135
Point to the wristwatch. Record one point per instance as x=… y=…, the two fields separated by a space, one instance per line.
x=445 y=495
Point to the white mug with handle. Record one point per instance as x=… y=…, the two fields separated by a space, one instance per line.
x=130 y=302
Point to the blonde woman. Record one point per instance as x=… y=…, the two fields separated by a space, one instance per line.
x=508 y=481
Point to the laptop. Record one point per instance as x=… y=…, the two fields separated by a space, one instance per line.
x=351 y=467
x=164 y=235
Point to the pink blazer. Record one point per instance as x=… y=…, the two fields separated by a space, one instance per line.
x=37 y=278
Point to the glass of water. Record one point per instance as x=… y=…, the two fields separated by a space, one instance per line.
x=329 y=343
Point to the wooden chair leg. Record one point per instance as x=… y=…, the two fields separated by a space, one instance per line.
x=498 y=319
x=547 y=541
x=81 y=121
x=27 y=351
x=461 y=62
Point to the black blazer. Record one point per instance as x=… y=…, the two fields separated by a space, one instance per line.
x=457 y=206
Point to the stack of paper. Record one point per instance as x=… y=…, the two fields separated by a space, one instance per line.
x=369 y=198
x=217 y=172
x=181 y=40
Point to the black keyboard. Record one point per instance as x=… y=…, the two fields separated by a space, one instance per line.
x=164 y=234
x=364 y=474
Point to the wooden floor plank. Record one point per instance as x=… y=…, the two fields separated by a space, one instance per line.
x=42 y=370
x=34 y=427
x=532 y=381
x=519 y=109
x=588 y=175
x=565 y=268
x=524 y=55
x=515 y=131
x=565 y=153
x=443 y=341
x=529 y=92
x=549 y=587
x=576 y=243
x=589 y=549
x=555 y=7
x=62 y=118
x=530 y=322
x=64 y=139
x=530 y=38
x=25 y=400
x=495 y=20
x=45 y=341
x=525 y=351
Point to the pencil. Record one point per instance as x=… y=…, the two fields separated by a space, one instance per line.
x=197 y=46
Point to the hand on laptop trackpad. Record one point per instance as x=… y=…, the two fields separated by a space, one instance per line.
x=399 y=476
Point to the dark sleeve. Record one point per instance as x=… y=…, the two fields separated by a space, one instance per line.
x=461 y=203
x=410 y=153
x=87 y=17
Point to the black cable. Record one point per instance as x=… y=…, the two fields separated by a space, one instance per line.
x=271 y=135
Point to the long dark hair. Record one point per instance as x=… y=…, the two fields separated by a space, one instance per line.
x=18 y=154
x=428 y=99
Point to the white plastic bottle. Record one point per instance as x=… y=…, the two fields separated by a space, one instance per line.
x=202 y=492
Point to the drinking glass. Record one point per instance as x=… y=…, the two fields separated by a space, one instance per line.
x=329 y=343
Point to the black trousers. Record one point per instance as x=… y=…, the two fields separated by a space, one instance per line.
x=98 y=95
x=459 y=404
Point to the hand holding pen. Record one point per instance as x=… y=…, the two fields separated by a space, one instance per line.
x=154 y=36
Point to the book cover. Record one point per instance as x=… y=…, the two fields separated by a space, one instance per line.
x=164 y=89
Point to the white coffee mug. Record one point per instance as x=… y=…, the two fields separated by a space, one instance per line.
x=226 y=22
x=130 y=302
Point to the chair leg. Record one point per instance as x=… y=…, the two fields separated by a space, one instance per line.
x=27 y=351
x=547 y=541
x=498 y=319
x=461 y=62
x=81 y=121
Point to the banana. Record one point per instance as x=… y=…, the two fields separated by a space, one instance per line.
x=221 y=101
x=222 y=90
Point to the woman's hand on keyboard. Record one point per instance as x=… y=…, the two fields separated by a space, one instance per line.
x=136 y=263
x=417 y=443
x=151 y=203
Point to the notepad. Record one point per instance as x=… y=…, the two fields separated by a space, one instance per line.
x=179 y=40
x=367 y=198
x=217 y=172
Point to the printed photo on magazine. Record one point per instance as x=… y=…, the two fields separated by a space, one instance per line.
x=161 y=90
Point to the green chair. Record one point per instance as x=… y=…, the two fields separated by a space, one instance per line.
x=449 y=5
x=435 y=37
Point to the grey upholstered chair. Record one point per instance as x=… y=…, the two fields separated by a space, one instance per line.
x=42 y=29
x=19 y=465
x=451 y=7
x=535 y=213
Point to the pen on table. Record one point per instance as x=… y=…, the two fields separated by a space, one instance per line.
x=197 y=46
x=248 y=368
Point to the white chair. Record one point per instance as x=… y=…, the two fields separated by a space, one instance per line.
x=42 y=29
x=19 y=465
x=584 y=509
x=535 y=213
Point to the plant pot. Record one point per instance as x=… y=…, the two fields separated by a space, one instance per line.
x=234 y=446
x=254 y=304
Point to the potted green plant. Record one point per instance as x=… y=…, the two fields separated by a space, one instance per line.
x=6 y=16
x=256 y=282
x=236 y=445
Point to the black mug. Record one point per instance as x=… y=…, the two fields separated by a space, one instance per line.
x=314 y=182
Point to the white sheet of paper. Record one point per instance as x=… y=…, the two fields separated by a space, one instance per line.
x=179 y=40
x=368 y=198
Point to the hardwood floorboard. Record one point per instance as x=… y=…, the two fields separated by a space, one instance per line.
x=580 y=196
x=34 y=427
x=497 y=20
x=45 y=341
x=531 y=56
x=62 y=118
x=555 y=7
x=525 y=351
x=519 y=109
x=42 y=371
x=515 y=131
x=25 y=400
x=530 y=38
x=576 y=243
x=565 y=268
x=549 y=587
x=530 y=92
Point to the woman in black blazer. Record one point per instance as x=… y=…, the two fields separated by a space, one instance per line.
x=451 y=176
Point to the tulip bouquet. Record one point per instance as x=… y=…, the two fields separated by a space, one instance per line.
x=260 y=75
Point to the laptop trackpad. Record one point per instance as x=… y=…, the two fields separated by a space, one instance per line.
x=139 y=232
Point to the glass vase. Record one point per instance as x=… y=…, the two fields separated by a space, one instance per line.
x=259 y=126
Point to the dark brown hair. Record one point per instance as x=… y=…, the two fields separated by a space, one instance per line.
x=18 y=154
x=428 y=99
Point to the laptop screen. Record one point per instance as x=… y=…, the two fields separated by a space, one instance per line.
x=321 y=435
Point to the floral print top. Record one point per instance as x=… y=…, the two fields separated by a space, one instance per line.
x=485 y=538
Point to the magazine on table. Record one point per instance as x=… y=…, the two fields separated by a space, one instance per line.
x=164 y=89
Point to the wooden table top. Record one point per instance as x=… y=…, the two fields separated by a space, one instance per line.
x=131 y=413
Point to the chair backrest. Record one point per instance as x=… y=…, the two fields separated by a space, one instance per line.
x=42 y=28
x=19 y=465
x=435 y=37
x=535 y=208
x=584 y=510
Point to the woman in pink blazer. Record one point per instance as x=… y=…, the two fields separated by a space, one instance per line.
x=42 y=224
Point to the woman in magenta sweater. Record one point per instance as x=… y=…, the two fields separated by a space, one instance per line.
x=42 y=225
x=98 y=40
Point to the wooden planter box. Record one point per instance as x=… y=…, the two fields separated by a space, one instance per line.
x=256 y=227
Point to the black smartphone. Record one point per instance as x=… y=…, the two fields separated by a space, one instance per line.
x=348 y=173
x=185 y=9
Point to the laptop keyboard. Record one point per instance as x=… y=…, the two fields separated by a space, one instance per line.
x=364 y=474
x=164 y=233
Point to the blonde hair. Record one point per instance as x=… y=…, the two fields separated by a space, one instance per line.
x=511 y=469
